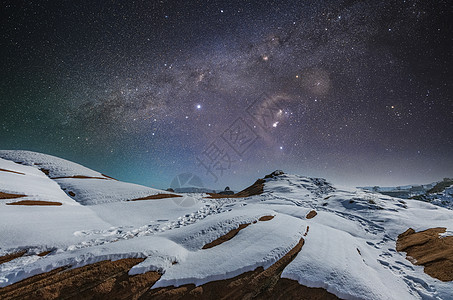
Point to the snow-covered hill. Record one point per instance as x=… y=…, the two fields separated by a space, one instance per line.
x=348 y=237
x=84 y=185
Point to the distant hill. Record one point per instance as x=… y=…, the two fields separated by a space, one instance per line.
x=193 y=190
x=439 y=193
x=406 y=191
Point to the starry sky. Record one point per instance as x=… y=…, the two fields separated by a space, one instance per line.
x=358 y=92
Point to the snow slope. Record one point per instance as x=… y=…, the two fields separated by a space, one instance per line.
x=56 y=166
x=35 y=226
x=30 y=182
x=89 y=188
x=349 y=245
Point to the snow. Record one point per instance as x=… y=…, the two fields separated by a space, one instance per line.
x=272 y=239
x=442 y=198
x=97 y=191
x=88 y=191
x=349 y=248
x=321 y=265
x=38 y=226
x=38 y=186
x=57 y=167
x=27 y=266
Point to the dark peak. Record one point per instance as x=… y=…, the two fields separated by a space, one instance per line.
x=255 y=189
x=441 y=186
x=274 y=174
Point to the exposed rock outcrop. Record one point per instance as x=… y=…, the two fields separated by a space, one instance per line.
x=429 y=249
x=157 y=196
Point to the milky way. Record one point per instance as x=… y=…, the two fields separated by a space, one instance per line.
x=359 y=92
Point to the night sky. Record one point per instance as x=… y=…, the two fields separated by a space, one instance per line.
x=358 y=92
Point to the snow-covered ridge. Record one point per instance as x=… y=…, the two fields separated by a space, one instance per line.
x=30 y=182
x=55 y=166
x=84 y=185
x=349 y=245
